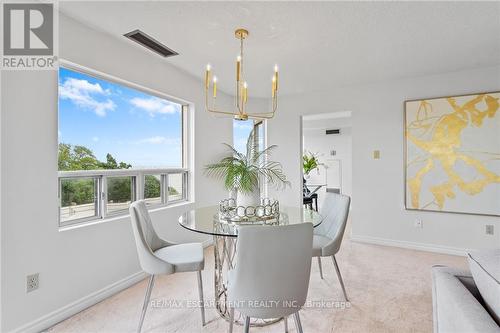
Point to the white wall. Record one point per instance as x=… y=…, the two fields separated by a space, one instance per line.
x=378 y=185
x=75 y=263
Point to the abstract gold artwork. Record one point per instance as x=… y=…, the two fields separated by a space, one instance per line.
x=452 y=154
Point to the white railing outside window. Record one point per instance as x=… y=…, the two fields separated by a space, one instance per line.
x=158 y=187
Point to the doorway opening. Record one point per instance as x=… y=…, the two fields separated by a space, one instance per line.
x=326 y=156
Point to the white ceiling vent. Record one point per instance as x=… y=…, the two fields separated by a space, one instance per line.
x=332 y=131
x=150 y=43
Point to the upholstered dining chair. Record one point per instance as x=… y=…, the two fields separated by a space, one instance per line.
x=157 y=256
x=328 y=235
x=273 y=264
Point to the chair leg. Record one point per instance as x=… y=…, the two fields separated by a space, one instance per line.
x=200 y=292
x=316 y=203
x=298 y=325
x=146 y=301
x=340 y=277
x=247 y=324
x=285 y=320
x=320 y=268
x=231 y=319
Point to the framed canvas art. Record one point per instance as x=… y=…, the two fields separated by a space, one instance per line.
x=452 y=154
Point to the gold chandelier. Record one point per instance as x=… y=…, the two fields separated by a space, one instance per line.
x=241 y=96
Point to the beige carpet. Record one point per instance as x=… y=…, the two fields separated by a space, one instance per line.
x=389 y=289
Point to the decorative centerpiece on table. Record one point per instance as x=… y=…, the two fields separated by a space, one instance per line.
x=243 y=175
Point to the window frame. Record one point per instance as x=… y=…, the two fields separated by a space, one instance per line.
x=138 y=180
x=104 y=190
x=138 y=190
x=163 y=200
x=97 y=204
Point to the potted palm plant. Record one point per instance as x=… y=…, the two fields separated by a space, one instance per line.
x=243 y=173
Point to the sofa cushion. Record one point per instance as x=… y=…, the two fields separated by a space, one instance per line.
x=485 y=268
x=455 y=306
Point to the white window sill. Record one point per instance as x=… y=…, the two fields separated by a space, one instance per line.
x=121 y=217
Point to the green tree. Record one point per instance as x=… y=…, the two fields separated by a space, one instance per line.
x=110 y=162
x=82 y=158
x=124 y=165
x=151 y=187
x=77 y=191
x=82 y=191
x=119 y=189
x=64 y=161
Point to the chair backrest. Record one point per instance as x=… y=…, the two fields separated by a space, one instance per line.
x=335 y=211
x=147 y=240
x=305 y=190
x=273 y=265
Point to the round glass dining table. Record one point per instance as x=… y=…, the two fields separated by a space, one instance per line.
x=206 y=220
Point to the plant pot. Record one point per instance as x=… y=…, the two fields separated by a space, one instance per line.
x=248 y=199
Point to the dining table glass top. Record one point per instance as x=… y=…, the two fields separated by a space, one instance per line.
x=207 y=220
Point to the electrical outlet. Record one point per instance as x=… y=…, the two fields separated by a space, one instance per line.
x=32 y=282
x=419 y=223
x=490 y=229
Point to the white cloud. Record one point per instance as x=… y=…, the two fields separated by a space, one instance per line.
x=158 y=140
x=82 y=93
x=154 y=105
x=95 y=138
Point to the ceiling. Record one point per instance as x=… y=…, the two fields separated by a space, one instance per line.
x=318 y=46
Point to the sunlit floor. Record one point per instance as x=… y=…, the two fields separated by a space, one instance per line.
x=389 y=289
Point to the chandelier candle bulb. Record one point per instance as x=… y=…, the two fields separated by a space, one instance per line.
x=215 y=86
x=276 y=77
x=238 y=68
x=207 y=77
x=274 y=86
x=245 y=92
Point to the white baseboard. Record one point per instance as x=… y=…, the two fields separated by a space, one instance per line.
x=410 y=245
x=69 y=310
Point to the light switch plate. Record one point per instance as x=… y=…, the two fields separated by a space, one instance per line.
x=376 y=154
x=32 y=282
x=490 y=229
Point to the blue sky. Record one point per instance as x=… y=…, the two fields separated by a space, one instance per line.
x=241 y=131
x=133 y=126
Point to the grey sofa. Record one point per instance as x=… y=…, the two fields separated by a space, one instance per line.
x=458 y=304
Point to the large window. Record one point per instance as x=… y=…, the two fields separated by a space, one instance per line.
x=241 y=133
x=242 y=130
x=117 y=144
